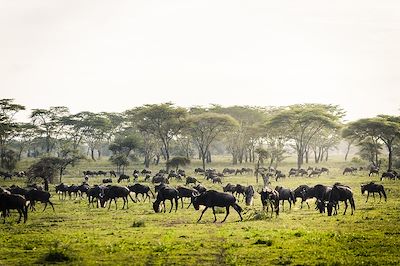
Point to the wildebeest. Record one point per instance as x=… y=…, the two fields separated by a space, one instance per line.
x=166 y=193
x=199 y=170
x=83 y=188
x=373 y=171
x=228 y=171
x=212 y=199
x=112 y=173
x=185 y=192
x=292 y=172
x=300 y=192
x=285 y=194
x=10 y=201
x=93 y=193
x=34 y=195
x=124 y=177
x=113 y=193
x=73 y=189
x=141 y=189
x=349 y=170
x=239 y=190
x=324 y=170
x=61 y=190
x=279 y=175
x=191 y=180
x=107 y=180
x=249 y=194
x=314 y=172
x=200 y=188
x=389 y=175
x=216 y=180
x=145 y=172
x=373 y=188
x=270 y=198
x=6 y=175
x=159 y=179
x=229 y=188
x=317 y=191
x=341 y=193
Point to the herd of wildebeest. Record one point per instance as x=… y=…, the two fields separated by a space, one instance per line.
x=326 y=197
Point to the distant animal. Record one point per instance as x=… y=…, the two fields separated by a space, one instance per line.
x=191 y=180
x=112 y=173
x=239 y=190
x=166 y=193
x=107 y=180
x=141 y=189
x=270 y=198
x=200 y=188
x=228 y=171
x=292 y=172
x=374 y=188
x=249 y=195
x=285 y=194
x=212 y=199
x=199 y=170
x=279 y=175
x=314 y=172
x=61 y=190
x=146 y=172
x=73 y=189
x=95 y=193
x=6 y=175
x=10 y=201
x=217 y=180
x=341 y=193
x=324 y=170
x=389 y=175
x=124 y=177
x=229 y=188
x=373 y=171
x=348 y=170
x=83 y=188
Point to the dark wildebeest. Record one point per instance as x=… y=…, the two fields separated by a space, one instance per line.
x=93 y=193
x=34 y=195
x=10 y=201
x=61 y=190
x=292 y=172
x=389 y=175
x=348 y=170
x=200 y=188
x=6 y=175
x=270 y=198
x=112 y=173
x=17 y=190
x=185 y=192
x=83 y=188
x=247 y=170
x=300 y=192
x=279 y=175
x=324 y=170
x=191 y=180
x=228 y=171
x=73 y=189
x=314 y=172
x=212 y=199
x=373 y=188
x=229 y=188
x=113 y=193
x=285 y=194
x=317 y=191
x=216 y=180
x=374 y=171
x=199 y=170
x=341 y=193
x=239 y=190
x=159 y=179
x=249 y=194
x=124 y=177
x=107 y=180
x=166 y=193
x=141 y=189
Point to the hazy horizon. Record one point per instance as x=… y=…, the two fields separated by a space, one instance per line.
x=103 y=56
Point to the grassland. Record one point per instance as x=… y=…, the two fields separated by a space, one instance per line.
x=79 y=235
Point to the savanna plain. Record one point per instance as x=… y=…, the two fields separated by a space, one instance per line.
x=81 y=235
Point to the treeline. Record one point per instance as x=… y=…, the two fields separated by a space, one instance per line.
x=155 y=133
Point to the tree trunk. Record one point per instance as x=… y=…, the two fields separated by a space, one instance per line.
x=92 y=154
x=299 y=159
x=390 y=159
x=347 y=150
x=208 y=157
x=203 y=160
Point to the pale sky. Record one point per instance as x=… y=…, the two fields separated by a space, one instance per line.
x=115 y=55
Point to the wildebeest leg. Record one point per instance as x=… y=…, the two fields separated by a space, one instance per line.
x=4 y=215
x=45 y=206
x=172 y=205
x=202 y=214
x=115 y=200
x=164 y=205
x=215 y=217
x=51 y=204
x=290 y=204
x=283 y=205
x=176 y=204
x=373 y=194
x=345 y=207
x=227 y=213
x=123 y=207
x=20 y=215
x=182 y=202
x=367 y=196
x=237 y=209
x=190 y=203
x=380 y=196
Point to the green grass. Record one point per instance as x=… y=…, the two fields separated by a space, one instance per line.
x=79 y=235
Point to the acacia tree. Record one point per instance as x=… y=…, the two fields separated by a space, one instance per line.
x=382 y=128
x=178 y=161
x=50 y=124
x=301 y=123
x=164 y=121
x=8 y=126
x=121 y=148
x=205 y=128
